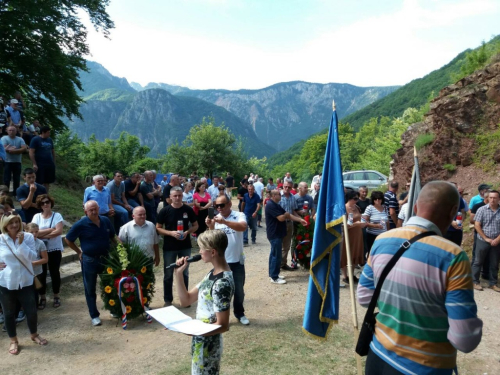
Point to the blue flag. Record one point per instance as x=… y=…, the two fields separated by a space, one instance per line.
x=322 y=304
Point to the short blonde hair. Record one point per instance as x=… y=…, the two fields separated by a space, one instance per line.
x=214 y=239
x=6 y=221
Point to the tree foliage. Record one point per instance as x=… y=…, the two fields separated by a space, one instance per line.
x=43 y=45
x=207 y=149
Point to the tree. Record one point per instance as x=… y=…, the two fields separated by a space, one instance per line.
x=207 y=148
x=43 y=45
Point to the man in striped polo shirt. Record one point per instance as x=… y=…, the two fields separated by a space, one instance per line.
x=391 y=203
x=427 y=307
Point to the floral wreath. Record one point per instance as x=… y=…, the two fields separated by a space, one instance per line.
x=127 y=284
x=304 y=239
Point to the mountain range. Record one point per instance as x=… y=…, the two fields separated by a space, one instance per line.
x=268 y=120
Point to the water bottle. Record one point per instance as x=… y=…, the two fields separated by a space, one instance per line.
x=383 y=224
x=350 y=219
x=180 y=227
x=459 y=220
x=305 y=207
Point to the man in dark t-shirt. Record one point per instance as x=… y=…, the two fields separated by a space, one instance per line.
x=27 y=193
x=43 y=157
x=177 y=241
x=229 y=182
x=147 y=190
x=132 y=193
x=391 y=203
x=276 y=218
x=241 y=193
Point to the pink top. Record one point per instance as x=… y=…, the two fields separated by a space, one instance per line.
x=203 y=201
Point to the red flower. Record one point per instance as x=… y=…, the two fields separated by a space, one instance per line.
x=130 y=299
x=299 y=237
x=132 y=271
x=301 y=256
x=117 y=282
x=307 y=235
x=307 y=252
x=299 y=247
x=125 y=273
x=140 y=278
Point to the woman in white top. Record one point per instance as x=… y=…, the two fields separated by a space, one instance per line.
x=51 y=228
x=376 y=218
x=17 y=251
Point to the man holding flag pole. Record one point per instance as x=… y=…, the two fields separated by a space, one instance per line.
x=322 y=304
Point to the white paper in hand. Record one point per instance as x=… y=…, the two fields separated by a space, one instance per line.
x=177 y=321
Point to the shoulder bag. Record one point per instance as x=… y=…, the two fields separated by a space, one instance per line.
x=368 y=327
x=37 y=283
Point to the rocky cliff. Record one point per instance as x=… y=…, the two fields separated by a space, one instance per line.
x=464 y=120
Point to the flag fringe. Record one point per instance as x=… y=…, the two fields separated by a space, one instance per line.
x=319 y=338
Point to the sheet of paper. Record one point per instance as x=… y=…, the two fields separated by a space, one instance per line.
x=175 y=320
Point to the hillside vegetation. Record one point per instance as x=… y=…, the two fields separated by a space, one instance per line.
x=371 y=135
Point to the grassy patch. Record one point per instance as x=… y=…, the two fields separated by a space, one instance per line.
x=68 y=202
x=487 y=146
x=283 y=349
x=423 y=140
x=450 y=167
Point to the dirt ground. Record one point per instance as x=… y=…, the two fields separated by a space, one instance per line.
x=76 y=347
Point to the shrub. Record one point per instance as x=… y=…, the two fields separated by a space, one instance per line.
x=450 y=167
x=423 y=140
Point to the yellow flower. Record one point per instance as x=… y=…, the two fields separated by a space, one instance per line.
x=143 y=269
x=108 y=289
x=149 y=286
x=144 y=300
x=110 y=270
x=129 y=309
x=111 y=302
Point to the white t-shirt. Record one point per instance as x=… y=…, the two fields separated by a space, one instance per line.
x=403 y=212
x=187 y=197
x=54 y=244
x=234 y=251
x=259 y=186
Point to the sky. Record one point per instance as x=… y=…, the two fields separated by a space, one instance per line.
x=251 y=44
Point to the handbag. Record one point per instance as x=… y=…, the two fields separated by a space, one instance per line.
x=368 y=327
x=38 y=284
x=46 y=241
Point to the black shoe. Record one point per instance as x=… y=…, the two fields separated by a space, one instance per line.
x=286 y=267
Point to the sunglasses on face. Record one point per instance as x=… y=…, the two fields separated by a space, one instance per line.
x=45 y=202
x=220 y=205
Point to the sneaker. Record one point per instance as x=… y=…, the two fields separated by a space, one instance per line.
x=96 y=322
x=21 y=316
x=281 y=277
x=286 y=267
x=2 y=319
x=495 y=288
x=245 y=244
x=167 y=304
x=244 y=320
x=278 y=281
x=260 y=226
x=478 y=287
x=254 y=243
x=114 y=315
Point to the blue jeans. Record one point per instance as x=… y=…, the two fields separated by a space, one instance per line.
x=239 y=293
x=133 y=203
x=275 y=258
x=252 y=224
x=150 y=212
x=91 y=268
x=170 y=257
x=12 y=170
x=121 y=214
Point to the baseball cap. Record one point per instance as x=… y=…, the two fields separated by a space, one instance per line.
x=483 y=187
x=13 y=101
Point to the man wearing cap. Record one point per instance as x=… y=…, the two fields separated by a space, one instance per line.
x=478 y=198
x=14 y=115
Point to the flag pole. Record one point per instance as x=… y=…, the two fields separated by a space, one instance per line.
x=351 y=291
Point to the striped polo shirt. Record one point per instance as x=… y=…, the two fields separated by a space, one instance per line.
x=427 y=307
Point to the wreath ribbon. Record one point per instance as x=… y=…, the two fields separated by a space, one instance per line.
x=139 y=295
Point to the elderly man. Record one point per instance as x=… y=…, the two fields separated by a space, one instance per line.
x=289 y=204
x=486 y=264
x=100 y=193
x=213 y=189
x=95 y=233
x=177 y=242
x=142 y=233
x=304 y=207
x=250 y=206
x=487 y=225
x=427 y=307
x=276 y=229
x=233 y=223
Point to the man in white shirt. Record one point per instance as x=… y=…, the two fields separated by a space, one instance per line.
x=213 y=189
x=142 y=233
x=234 y=224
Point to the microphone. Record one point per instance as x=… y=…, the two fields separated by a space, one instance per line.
x=194 y=258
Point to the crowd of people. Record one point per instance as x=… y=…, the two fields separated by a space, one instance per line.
x=183 y=209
